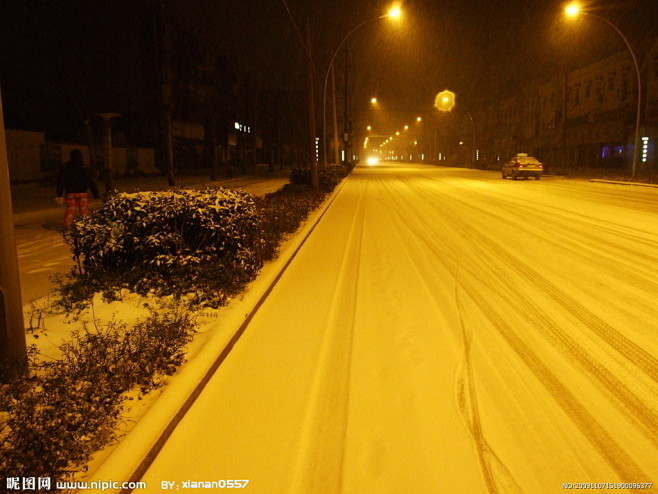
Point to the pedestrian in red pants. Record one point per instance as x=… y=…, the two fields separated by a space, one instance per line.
x=73 y=182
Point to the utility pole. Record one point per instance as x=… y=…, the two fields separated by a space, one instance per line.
x=13 y=350
x=335 y=118
x=108 y=171
x=347 y=138
x=315 y=182
x=563 y=133
x=163 y=46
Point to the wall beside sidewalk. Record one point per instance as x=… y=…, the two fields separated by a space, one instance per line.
x=24 y=154
x=32 y=158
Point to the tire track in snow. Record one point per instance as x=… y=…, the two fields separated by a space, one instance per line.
x=600 y=439
x=638 y=410
x=493 y=469
x=631 y=405
x=319 y=464
x=635 y=354
x=469 y=407
x=641 y=272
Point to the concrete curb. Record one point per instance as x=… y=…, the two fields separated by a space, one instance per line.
x=619 y=182
x=132 y=457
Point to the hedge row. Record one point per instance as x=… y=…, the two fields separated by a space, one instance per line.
x=206 y=242
x=328 y=177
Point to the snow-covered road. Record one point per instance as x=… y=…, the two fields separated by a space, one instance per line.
x=444 y=331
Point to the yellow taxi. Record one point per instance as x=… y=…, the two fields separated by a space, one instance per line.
x=522 y=165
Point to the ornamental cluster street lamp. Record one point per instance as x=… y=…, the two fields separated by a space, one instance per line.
x=445 y=102
x=574 y=9
x=393 y=13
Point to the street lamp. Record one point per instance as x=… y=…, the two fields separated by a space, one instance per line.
x=394 y=13
x=445 y=101
x=574 y=9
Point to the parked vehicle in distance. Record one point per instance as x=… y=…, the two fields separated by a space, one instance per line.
x=522 y=165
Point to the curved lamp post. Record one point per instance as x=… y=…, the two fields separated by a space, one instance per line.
x=574 y=9
x=394 y=13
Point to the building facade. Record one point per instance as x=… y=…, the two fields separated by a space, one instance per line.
x=582 y=119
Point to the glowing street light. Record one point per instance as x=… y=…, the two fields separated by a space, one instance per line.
x=445 y=101
x=373 y=100
x=394 y=13
x=574 y=9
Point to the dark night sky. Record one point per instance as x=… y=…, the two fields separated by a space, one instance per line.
x=478 y=48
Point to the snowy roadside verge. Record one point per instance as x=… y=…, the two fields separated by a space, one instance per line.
x=621 y=182
x=130 y=458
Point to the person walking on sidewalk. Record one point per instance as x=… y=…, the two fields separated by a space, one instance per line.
x=73 y=182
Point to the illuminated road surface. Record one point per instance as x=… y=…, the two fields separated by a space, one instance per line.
x=445 y=331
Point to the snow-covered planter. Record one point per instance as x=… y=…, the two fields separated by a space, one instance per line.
x=282 y=212
x=204 y=241
x=53 y=419
x=328 y=177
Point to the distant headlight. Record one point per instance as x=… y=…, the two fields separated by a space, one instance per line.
x=372 y=160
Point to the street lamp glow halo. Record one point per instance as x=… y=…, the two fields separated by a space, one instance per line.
x=395 y=12
x=573 y=9
x=444 y=101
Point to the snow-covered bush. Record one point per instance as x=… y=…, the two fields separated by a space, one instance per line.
x=328 y=177
x=55 y=418
x=282 y=212
x=203 y=241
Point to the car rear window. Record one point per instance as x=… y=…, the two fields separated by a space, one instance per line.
x=528 y=161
